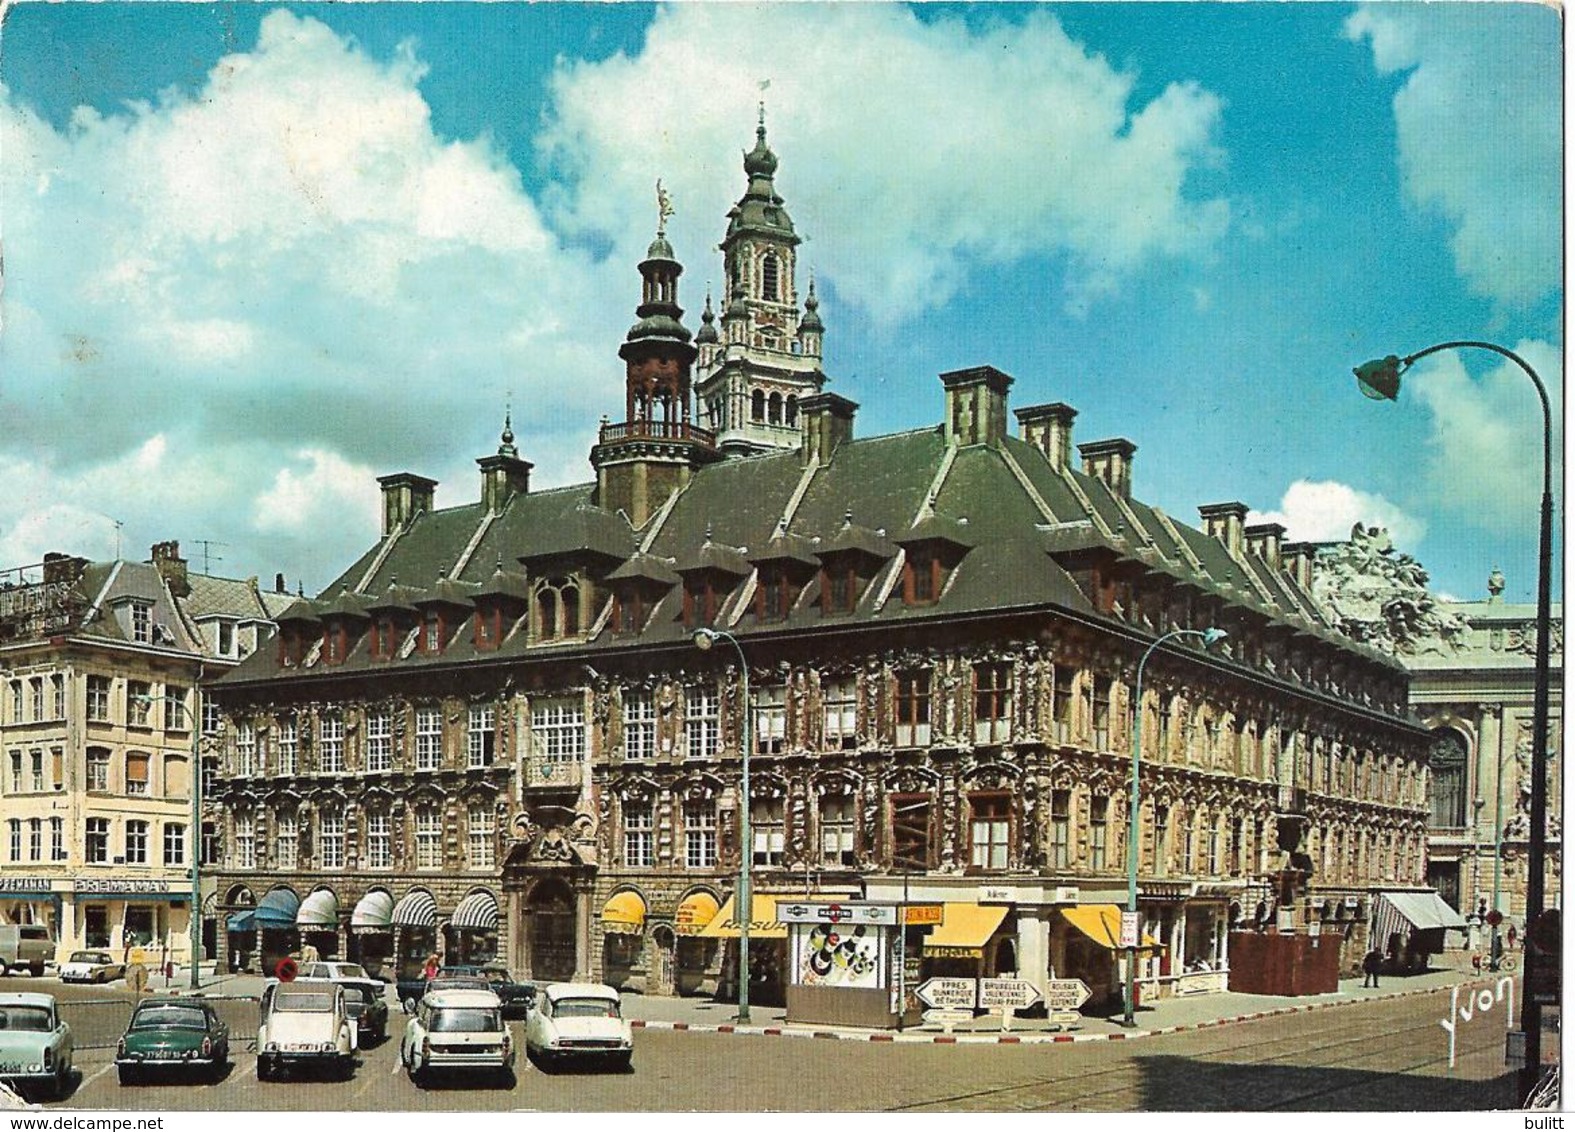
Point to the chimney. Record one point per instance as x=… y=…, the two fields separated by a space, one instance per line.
x=1224 y=521
x=1297 y=559
x=1263 y=539
x=62 y=568
x=1049 y=429
x=405 y=495
x=1111 y=461
x=278 y=584
x=171 y=567
x=825 y=421
x=976 y=405
x=502 y=478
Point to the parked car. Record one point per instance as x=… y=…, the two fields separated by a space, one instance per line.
x=579 y=1020
x=91 y=967
x=463 y=977
x=363 y=995
x=25 y=945
x=35 y=1042
x=332 y=969
x=458 y=1029
x=304 y=1024
x=181 y=1034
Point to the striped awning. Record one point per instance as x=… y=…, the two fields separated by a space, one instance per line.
x=319 y=910
x=276 y=910
x=374 y=910
x=624 y=914
x=1396 y=913
x=416 y=909
x=244 y=922
x=477 y=912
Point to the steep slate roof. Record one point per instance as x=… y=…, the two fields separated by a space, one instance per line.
x=1008 y=545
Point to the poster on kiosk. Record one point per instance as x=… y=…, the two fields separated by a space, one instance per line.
x=839 y=960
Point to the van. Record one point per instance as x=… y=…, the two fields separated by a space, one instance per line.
x=25 y=945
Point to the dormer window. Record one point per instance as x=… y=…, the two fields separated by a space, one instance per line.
x=922 y=577
x=142 y=622
x=775 y=594
x=630 y=611
x=701 y=599
x=557 y=609
x=841 y=584
x=385 y=638
x=335 y=643
x=432 y=633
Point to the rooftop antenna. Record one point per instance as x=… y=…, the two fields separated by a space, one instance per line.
x=207 y=546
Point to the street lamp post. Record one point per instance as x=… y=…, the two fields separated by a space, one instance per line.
x=703 y=640
x=1380 y=380
x=1209 y=637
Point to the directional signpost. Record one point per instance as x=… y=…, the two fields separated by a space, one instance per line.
x=1005 y=996
x=1062 y=998
x=949 y=994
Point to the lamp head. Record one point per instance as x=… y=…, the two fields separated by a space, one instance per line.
x=1213 y=636
x=1380 y=378
x=703 y=639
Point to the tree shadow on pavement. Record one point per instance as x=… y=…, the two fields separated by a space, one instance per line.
x=1185 y=1084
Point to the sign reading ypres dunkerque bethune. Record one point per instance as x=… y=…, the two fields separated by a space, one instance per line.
x=949 y=994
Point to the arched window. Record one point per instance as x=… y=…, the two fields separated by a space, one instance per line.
x=774 y=409
x=757 y=406
x=791 y=410
x=1447 y=790
x=768 y=278
x=547 y=612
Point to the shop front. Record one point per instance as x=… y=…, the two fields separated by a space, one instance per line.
x=1086 y=945
x=278 y=938
x=371 y=941
x=694 y=953
x=471 y=934
x=972 y=941
x=623 y=938
x=31 y=900
x=317 y=921
x=147 y=920
x=768 y=935
x=1409 y=926
x=414 y=919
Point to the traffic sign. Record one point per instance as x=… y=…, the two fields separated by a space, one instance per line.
x=1495 y=918
x=1006 y=994
x=1065 y=994
x=945 y=993
x=1129 y=929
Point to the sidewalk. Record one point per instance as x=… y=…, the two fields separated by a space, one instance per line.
x=1169 y=1015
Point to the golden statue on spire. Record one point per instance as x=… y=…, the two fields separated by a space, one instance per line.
x=664 y=208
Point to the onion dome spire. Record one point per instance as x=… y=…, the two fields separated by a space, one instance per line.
x=811 y=319
x=707 y=332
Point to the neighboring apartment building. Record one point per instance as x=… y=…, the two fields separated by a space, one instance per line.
x=495 y=735
x=101 y=672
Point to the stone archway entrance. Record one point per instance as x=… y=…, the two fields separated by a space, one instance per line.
x=552 y=930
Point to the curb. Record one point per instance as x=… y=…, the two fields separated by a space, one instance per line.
x=1011 y=1039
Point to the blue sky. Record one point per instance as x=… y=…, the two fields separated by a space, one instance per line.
x=258 y=255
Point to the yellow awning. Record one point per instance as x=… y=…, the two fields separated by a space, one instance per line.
x=1102 y=924
x=696 y=911
x=624 y=914
x=964 y=930
x=763 y=922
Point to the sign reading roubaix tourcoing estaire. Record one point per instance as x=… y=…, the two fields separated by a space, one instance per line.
x=1065 y=994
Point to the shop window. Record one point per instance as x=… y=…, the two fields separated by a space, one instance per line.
x=98 y=699
x=558 y=729
x=840 y=700
x=482 y=736
x=639 y=725
x=770 y=722
x=991 y=829
x=95 y=926
x=910 y=832
x=429 y=738
x=379 y=847
x=992 y=702
x=767 y=831
x=136 y=843
x=479 y=834
x=379 y=740
x=700 y=834
x=837 y=830
x=136 y=772
x=913 y=709
x=97 y=841
x=638 y=835
x=140 y=931
x=702 y=722
x=331 y=743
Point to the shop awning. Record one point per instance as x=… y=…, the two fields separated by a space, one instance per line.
x=319 y=910
x=276 y=910
x=374 y=910
x=244 y=922
x=624 y=914
x=964 y=930
x=1102 y=924
x=763 y=922
x=416 y=909
x=695 y=913
x=478 y=912
x=1398 y=912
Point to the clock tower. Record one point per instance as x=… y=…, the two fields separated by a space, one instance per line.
x=753 y=370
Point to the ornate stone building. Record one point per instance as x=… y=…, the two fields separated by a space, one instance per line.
x=494 y=732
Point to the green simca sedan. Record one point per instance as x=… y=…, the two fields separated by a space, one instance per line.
x=178 y=1034
x=35 y=1043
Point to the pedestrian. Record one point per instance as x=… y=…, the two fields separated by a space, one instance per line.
x=1371 y=964
x=431 y=969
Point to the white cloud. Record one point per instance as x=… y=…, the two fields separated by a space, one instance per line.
x=912 y=152
x=1480 y=134
x=1485 y=446
x=317 y=491
x=1326 y=510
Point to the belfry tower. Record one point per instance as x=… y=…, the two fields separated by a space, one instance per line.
x=752 y=373
x=642 y=460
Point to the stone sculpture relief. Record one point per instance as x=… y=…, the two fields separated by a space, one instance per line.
x=1379 y=597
